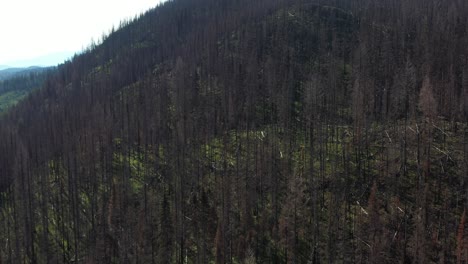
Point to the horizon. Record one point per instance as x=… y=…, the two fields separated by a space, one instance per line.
x=46 y=60
x=56 y=31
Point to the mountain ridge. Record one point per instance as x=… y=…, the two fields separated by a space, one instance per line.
x=12 y=71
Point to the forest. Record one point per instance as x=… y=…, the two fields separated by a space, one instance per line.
x=239 y=131
x=15 y=84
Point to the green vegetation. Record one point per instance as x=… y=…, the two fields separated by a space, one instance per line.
x=16 y=84
x=263 y=158
x=10 y=99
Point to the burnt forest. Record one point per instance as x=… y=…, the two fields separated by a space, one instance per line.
x=241 y=131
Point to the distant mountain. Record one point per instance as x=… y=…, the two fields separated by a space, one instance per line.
x=52 y=59
x=12 y=72
x=2 y=67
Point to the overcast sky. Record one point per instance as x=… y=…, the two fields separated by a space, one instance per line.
x=34 y=28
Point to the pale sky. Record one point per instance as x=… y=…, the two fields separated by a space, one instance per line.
x=36 y=28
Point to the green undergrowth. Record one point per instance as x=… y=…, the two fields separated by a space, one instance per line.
x=336 y=163
x=10 y=99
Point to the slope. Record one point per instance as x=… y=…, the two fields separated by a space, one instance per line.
x=15 y=84
x=247 y=131
x=11 y=72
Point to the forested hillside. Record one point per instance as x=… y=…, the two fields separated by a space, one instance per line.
x=15 y=84
x=239 y=131
x=12 y=72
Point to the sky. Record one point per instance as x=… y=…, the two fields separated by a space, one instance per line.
x=31 y=29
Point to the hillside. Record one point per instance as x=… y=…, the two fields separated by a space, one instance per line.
x=9 y=73
x=269 y=131
x=17 y=83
